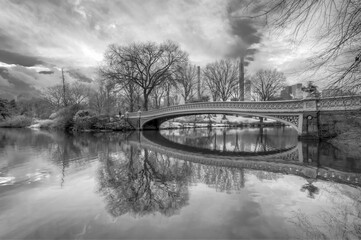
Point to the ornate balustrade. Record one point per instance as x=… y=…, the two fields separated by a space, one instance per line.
x=334 y=103
x=274 y=106
x=339 y=103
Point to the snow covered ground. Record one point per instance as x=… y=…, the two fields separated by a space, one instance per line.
x=217 y=121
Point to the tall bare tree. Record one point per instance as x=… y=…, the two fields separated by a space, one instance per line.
x=221 y=78
x=157 y=95
x=337 y=26
x=186 y=77
x=55 y=95
x=64 y=88
x=131 y=93
x=147 y=65
x=98 y=100
x=76 y=93
x=267 y=83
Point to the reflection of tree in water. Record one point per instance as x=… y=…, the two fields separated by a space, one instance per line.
x=264 y=175
x=141 y=182
x=233 y=140
x=79 y=149
x=195 y=137
x=223 y=179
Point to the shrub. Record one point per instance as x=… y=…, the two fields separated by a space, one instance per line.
x=84 y=113
x=17 y=122
x=64 y=117
x=84 y=123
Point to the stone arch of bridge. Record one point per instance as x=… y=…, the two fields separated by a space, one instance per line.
x=157 y=120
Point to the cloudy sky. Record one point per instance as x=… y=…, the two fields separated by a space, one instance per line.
x=39 y=37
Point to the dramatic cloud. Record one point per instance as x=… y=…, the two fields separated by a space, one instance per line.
x=77 y=32
x=46 y=72
x=4 y=82
x=16 y=58
x=47 y=35
x=16 y=84
x=75 y=73
x=26 y=82
x=246 y=31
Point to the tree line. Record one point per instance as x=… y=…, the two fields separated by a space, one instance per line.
x=144 y=76
x=150 y=75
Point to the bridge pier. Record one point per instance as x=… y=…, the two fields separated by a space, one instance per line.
x=310 y=126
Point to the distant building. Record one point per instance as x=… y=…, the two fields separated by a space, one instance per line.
x=292 y=92
x=286 y=93
x=297 y=91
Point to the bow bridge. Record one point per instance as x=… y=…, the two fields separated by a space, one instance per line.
x=310 y=117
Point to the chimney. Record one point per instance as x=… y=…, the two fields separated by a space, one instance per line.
x=199 y=82
x=241 y=79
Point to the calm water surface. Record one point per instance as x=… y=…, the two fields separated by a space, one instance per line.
x=176 y=184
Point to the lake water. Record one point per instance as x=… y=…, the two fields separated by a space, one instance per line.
x=176 y=184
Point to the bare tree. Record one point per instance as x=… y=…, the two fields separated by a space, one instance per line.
x=221 y=78
x=186 y=77
x=76 y=93
x=98 y=100
x=55 y=95
x=267 y=83
x=337 y=25
x=157 y=95
x=64 y=88
x=131 y=93
x=147 y=65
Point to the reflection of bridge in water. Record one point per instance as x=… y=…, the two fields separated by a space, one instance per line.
x=286 y=161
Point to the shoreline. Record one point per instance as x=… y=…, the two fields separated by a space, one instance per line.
x=347 y=141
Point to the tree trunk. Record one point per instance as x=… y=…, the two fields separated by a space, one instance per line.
x=64 y=94
x=131 y=105
x=131 y=102
x=145 y=104
x=138 y=99
x=168 y=97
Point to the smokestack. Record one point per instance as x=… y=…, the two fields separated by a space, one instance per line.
x=199 y=82
x=247 y=90
x=241 y=79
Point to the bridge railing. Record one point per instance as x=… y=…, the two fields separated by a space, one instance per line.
x=331 y=103
x=251 y=106
x=340 y=103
